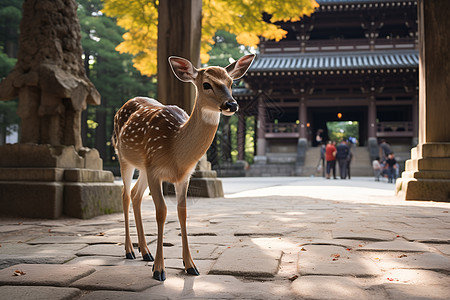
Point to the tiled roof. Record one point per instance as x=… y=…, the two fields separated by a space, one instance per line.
x=337 y=61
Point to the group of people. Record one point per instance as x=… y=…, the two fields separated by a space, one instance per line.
x=340 y=153
x=385 y=165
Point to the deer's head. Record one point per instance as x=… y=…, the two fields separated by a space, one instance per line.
x=213 y=83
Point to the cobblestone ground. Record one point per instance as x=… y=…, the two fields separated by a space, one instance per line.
x=269 y=238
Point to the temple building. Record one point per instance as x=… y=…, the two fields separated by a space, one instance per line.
x=351 y=60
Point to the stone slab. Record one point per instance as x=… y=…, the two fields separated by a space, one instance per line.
x=417 y=292
x=107 y=261
x=334 y=261
x=87 y=175
x=103 y=250
x=396 y=245
x=220 y=287
x=424 y=261
x=430 y=236
x=40 y=274
x=86 y=200
x=31 y=199
x=31 y=174
x=247 y=261
x=38 y=293
x=328 y=288
x=118 y=278
x=117 y=295
x=363 y=234
x=91 y=240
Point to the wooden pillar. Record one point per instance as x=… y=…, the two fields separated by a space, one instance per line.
x=179 y=32
x=241 y=137
x=261 y=125
x=372 y=116
x=427 y=173
x=302 y=118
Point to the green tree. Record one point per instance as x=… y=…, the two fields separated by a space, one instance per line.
x=10 y=15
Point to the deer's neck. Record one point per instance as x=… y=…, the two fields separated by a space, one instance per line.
x=196 y=135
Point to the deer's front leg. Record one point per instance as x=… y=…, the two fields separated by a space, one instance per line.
x=181 y=192
x=159 y=272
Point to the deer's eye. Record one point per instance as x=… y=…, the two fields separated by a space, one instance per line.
x=207 y=86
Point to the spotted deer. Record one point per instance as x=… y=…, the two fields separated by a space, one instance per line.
x=165 y=144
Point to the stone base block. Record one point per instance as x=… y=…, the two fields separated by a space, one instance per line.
x=199 y=187
x=31 y=199
x=424 y=189
x=50 y=192
x=87 y=200
x=47 y=156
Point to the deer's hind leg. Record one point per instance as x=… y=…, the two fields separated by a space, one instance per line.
x=137 y=195
x=127 y=171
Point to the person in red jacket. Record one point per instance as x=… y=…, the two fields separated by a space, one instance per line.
x=330 y=156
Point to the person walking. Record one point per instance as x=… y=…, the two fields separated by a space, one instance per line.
x=330 y=156
x=385 y=150
x=342 y=151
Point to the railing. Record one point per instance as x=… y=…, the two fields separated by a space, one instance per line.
x=386 y=129
x=336 y=45
x=281 y=127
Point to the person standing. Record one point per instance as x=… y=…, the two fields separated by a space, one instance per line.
x=376 y=166
x=391 y=165
x=330 y=156
x=349 y=160
x=322 y=159
x=342 y=151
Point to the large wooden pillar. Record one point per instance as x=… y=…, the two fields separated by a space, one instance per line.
x=179 y=33
x=261 y=127
x=427 y=173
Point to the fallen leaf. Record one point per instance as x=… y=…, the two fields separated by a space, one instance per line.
x=19 y=273
x=293 y=278
x=348 y=249
x=392 y=279
x=100 y=234
x=445 y=211
x=403 y=255
x=303 y=249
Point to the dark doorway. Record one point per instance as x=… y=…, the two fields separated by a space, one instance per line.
x=318 y=117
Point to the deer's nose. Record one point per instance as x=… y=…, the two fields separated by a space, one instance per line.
x=231 y=106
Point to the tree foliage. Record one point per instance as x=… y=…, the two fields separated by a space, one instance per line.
x=244 y=18
x=10 y=15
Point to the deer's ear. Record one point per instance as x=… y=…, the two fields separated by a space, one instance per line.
x=183 y=69
x=237 y=69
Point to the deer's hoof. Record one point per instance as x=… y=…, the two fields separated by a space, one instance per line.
x=160 y=276
x=130 y=255
x=148 y=257
x=193 y=271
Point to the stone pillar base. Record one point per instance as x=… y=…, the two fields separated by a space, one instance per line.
x=41 y=181
x=427 y=174
x=203 y=183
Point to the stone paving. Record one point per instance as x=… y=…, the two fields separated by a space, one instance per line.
x=269 y=238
